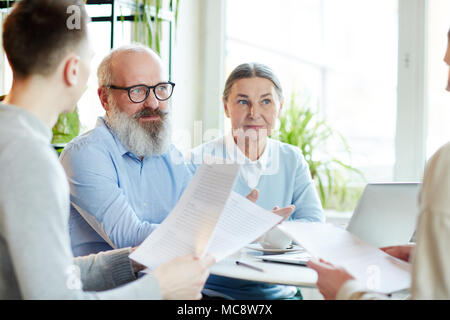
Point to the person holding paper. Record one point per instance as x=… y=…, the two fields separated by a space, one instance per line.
x=429 y=257
x=50 y=65
x=125 y=176
x=253 y=100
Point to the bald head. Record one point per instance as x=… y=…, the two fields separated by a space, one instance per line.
x=129 y=65
x=143 y=127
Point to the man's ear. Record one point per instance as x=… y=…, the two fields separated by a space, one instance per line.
x=101 y=91
x=72 y=70
x=225 y=108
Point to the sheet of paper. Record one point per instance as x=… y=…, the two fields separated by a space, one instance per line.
x=241 y=222
x=369 y=265
x=189 y=226
x=93 y=222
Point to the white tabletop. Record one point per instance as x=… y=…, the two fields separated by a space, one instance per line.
x=276 y=273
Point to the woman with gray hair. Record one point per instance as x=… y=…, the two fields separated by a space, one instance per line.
x=253 y=100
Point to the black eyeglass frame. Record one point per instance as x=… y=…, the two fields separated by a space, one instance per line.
x=128 y=89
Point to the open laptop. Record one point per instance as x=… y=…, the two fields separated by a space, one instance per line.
x=386 y=213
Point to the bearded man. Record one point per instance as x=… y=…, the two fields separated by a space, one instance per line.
x=125 y=175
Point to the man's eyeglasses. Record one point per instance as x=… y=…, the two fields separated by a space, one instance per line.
x=138 y=93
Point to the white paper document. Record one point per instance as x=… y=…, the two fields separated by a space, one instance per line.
x=372 y=267
x=209 y=218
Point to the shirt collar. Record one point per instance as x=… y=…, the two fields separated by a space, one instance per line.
x=121 y=148
x=235 y=154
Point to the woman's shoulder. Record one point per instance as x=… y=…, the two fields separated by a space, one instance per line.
x=211 y=147
x=215 y=148
x=286 y=150
x=443 y=153
x=287 y=156
x=439 y=162
x=436 y=181
x=211 y=143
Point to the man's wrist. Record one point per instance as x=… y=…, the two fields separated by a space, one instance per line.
x=137 y=267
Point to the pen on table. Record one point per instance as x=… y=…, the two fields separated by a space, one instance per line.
x=239 y=263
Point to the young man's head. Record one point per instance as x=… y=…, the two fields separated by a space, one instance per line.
x=48 y=38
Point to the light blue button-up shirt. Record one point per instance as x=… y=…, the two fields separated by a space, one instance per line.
x=115 y=193
x=282 y=178
x=281 y=175
x=118 y=200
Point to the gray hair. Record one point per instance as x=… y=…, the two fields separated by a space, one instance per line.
x=104 y=72
x=252 y=70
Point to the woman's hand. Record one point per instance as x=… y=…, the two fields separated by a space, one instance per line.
x=330 y=278
x=400 y=252
x=284 y=212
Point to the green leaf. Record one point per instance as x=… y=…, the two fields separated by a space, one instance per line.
x=66 y=128
x=177 y=7
x=302 y=127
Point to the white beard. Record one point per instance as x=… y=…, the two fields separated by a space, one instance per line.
x=139 y=141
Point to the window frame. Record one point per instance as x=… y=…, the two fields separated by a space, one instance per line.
x=412 y=110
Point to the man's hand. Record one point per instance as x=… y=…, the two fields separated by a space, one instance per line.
x=400 y=252
x=137 y=267
x=183 y=278
x=330 y=278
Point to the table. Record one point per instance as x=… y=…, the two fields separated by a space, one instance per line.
x=275 y=273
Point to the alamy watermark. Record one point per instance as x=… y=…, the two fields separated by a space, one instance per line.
x=225 y=153
x=373 y=281
x=74 y=20
x=73 y=274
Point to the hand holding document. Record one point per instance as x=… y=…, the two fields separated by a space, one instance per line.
x=209 y=218
x=375 y=269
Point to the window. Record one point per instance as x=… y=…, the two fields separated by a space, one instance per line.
x=5 y=70
x=89 y=106
x=341 y=55
x=438 y=98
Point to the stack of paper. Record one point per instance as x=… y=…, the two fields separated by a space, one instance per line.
x=375 y=269
x=209 y=218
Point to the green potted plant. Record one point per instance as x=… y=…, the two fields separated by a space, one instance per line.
x=301 y=126
x=148 y=23
x=66 y=128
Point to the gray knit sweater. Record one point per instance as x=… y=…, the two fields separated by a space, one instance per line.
x=36 y=261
